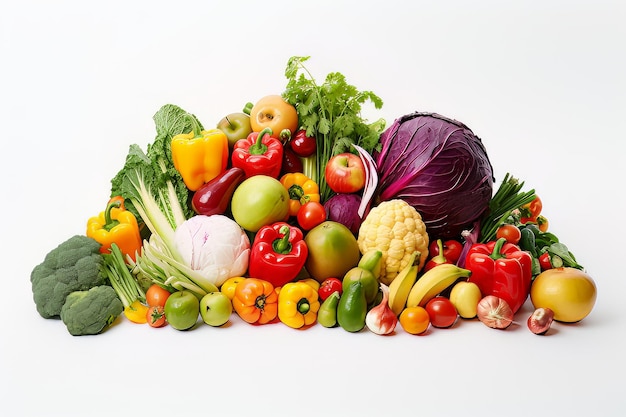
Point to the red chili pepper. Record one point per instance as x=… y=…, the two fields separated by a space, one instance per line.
x=258 y=154
x=278 y=253
x=501 y=269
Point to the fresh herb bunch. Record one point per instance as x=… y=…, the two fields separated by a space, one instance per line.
x=507 y=198
x=331 y=112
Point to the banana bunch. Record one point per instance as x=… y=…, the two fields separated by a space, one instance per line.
x=406 y=290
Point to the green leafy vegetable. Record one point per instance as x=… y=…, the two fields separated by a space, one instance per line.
x=157 y=193
x=150 y=177
x=331 y=112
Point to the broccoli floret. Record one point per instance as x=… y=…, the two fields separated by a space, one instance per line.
x=74 y=265
x=91 y=311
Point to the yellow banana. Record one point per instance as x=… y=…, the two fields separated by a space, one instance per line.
x=401 y=285
x=433 y=282
x=372 y=260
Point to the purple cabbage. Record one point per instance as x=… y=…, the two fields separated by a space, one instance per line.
x=439 y=167
x=343 y=208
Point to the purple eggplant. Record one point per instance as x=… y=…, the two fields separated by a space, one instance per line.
x=214 y=196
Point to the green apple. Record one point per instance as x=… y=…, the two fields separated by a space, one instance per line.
x=215 y=308
x=258 y=201
x=182 y=309
x=235 y=126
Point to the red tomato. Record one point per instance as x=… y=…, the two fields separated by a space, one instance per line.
x=156 y=296
x=329 y=286
x=510 y=232
x=311 y=214
x=441 y=311
x=156 y=316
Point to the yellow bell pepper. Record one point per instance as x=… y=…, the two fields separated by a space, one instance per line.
x=298 y=304
x=115 y=225
x=199 y=156
x=137 y=312
x=301 y=188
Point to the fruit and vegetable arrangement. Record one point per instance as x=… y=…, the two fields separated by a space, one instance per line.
x=298 y=211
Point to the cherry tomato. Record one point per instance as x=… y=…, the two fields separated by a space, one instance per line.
x=274 y=112
x=310 y=215
x=329 y=286
x=156 y=316
x=510 y=232
x=414 y=320
x=156 y=296
x=441 y=311
x=302 y=144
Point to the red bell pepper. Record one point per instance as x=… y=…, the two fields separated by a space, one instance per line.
x=278 y=253
x=258 y=154
x=501 y=269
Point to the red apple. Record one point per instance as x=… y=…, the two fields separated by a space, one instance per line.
x=345 y=173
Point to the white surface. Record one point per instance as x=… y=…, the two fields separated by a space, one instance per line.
x=541 y=84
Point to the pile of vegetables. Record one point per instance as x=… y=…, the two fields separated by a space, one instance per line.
x=298 y=210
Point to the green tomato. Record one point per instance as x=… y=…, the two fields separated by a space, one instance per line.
x=258 y=201
x=182 y=309
x=333 y=250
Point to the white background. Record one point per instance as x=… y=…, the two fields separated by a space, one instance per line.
x=541 y=83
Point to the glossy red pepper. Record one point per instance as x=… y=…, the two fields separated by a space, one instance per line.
x=258 y=154
x=448 y=252
x=278 y=253
x=437 y=257
x=302 y=144
x=545 y=262
x=501 y=269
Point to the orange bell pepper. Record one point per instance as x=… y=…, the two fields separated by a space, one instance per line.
x=301 y=188
x=256 y=301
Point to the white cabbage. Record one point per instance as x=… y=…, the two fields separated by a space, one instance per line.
x=216 y=246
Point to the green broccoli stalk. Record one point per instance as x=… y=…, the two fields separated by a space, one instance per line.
x=90 y=312
x=74 y=265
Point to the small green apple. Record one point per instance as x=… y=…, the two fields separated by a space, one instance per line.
x=215 y=308
x=235 y=126
x=182 y=309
